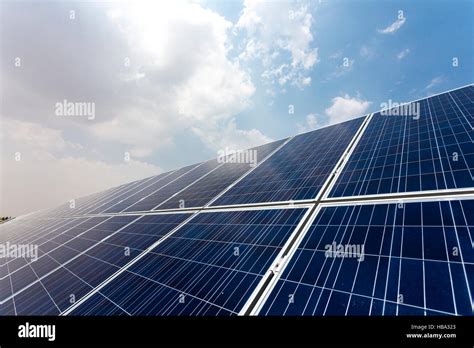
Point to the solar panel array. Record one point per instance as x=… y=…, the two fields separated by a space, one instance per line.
x=373 y=216
x=417 y=259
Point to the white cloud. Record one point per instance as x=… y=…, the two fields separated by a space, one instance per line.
x=342 y=69
x=336 y=55
x=180 y=76
x=138 y=128
x=274 y=30
x=392 y=28
x=42 y=178
x=311 y=123
x=228 y=135
x=344 y=108
x=33 y=136
x=403 y=53
x=435 y=82
x=182 y=79
x=367 y=51
x=185 y=75
x=215 y=92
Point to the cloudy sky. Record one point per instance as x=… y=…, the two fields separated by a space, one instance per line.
x=174 y=82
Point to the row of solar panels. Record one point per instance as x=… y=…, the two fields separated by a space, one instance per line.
x=432 y=151
x=417 y=259
x=214 y=262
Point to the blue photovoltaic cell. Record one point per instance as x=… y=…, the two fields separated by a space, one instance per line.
x=298 y=170
x=201 y=192
x=50 y=241
x=20 y=230
x=209 y=266
x=54 y=248
x=45 y=238
x=167 y=191
x=148 y=191
x=137 y=236
x=99 y=300
x=7 y=308
x=434 y=151
x=131 y=196
x=125 y=194
x=86 y=204
x=105 y=249
x=418 y=258
x=80 y=203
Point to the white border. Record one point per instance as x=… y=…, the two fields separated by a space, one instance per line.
x=469 y=196
x=279 y=264
x=382 y=196
x=347 y=155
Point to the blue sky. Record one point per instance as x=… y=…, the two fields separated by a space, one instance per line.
x=434 y=32
x=175 y=82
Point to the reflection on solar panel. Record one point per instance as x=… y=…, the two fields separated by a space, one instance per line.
x=209 y=186
x=167 y=191
x=147 y=191
x=298 y=170
x=413 y=258
x=373 y=216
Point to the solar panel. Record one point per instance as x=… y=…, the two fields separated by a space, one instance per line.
x=201 y=192
x=207 y=267
x=417 y=259
x=167 y=191
x=135 y=193
x=147 y=191
x=67 y=209
x=253 y=239
x=431 y=151
x=53 y=247
x=298 y=170
x=84 y=205
x=99 y=205
x=71 y=266
x=44 y=237
x=7 y=308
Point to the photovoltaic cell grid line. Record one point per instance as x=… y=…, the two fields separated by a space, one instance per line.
x=418 y=259
x=122 y=194
x=298 y=170
x=201 y=192
x=405 y=154
x=54 y=249
x=19 y=230
x=46 y=239
x=136 y=192
x=98 y=206
x=148 y=191
x=37 y=237
x=210 y=266
x=167 y=191
x=80 y=275
x=84 y=204
x=65 y=209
